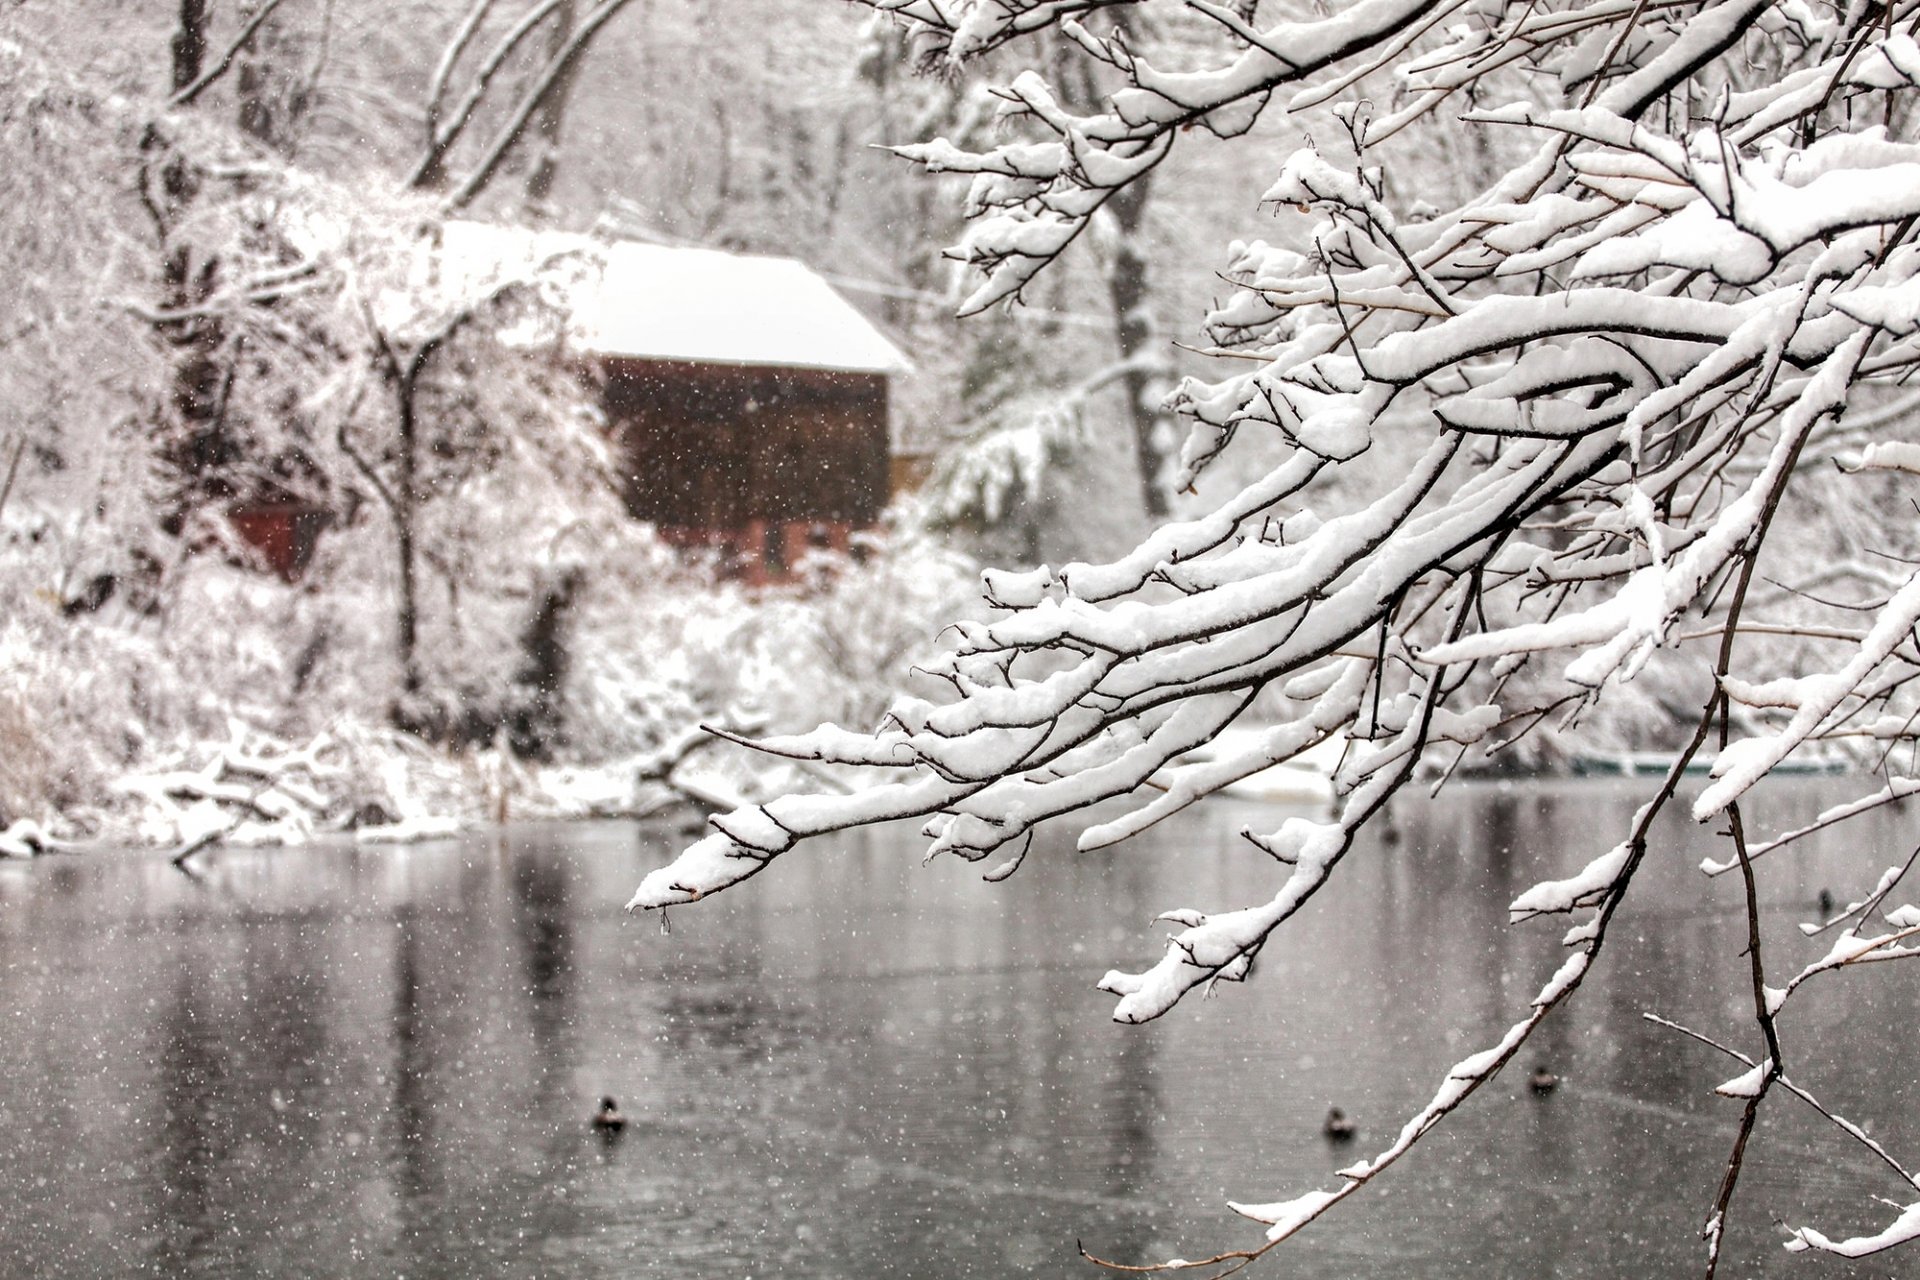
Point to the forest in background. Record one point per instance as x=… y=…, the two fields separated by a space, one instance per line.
x=219 y=234
x=217 y=223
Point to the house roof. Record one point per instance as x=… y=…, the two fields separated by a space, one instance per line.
x=702 y=305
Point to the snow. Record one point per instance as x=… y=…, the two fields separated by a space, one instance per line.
x=202 y=822
x=1424 y=389
x=1747 y=1083
x=1901 y=1230
x=753 y=827
x=1846 y=948
x=1592 y=880
x=1288 y=1216
x=1896 y=788
x=703 y=305
x=1744 y=762
x=1646 y=424
x=711 y=863
x=411 y=830
x=24 y=838
x=1891 y=455
x=662 y=302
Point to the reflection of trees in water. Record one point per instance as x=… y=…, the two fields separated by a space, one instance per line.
x=1130 y=1117
x=969 y=1077
x=481 y=980
x=242 y=1056
x=910 y=1059
x=1130 y=1114
x=413 y=1044
x=1479 y=847
x=542 y=911
x=734 y=1020
x=195 y=1070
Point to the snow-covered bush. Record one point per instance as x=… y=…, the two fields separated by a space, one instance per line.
x=660 y=645
x=117 y=721
x=1678 y=286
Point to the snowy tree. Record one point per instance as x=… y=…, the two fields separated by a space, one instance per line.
x=1620 y=374
x=208 y=324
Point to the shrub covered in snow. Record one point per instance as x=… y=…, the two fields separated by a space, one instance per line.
x=215 y=700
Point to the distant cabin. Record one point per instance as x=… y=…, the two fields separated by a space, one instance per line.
x=748 y=398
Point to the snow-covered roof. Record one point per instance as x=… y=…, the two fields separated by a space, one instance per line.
x=701 y=305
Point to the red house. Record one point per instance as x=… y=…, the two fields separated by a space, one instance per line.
x=749 y=399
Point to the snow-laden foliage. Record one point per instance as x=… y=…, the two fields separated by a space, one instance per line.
x=481 y=631
x=1619 y=377
x=1001 y=466
x=221 y=703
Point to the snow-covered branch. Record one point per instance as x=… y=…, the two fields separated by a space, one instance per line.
x=1527 y=445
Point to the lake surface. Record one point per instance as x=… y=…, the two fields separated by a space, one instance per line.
x=381 y=1062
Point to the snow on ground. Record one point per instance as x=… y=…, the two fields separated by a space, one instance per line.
x=247 y=711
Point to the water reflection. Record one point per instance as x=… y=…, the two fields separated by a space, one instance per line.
x=413 y=1054
x=377 y=1063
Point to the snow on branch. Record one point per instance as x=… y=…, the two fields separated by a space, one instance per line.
x=1902 y=1230
x=1584 y=411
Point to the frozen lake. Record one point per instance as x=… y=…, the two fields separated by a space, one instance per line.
x=376 y=1063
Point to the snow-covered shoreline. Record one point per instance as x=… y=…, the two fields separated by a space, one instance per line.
x=380 y=786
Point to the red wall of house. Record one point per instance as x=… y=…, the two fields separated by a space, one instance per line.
x=282 y=533
x=719 y=454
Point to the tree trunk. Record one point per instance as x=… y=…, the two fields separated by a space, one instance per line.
x=558 y=72
x=257 y=117
x=189 y=43
x=443 y=131
x=406 y=505
x=551 y=116
x=1134 y=335
x=197 y=445
x=432 y=174
x=1126 y=281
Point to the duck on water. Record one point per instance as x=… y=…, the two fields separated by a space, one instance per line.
x=607 y=1119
